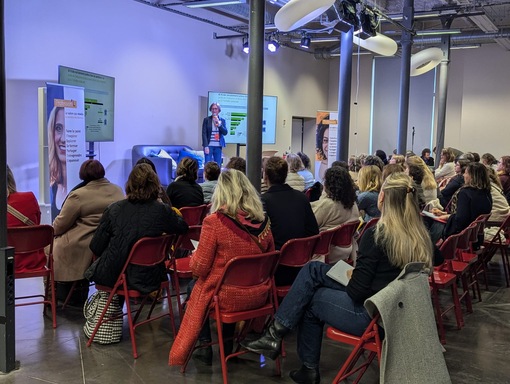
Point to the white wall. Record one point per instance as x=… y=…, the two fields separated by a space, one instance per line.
x=163 y=64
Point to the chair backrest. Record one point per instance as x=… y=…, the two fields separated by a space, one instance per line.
x=370 y=224
x=194 y=215
x=464 y=240
x=30 y=239
x=149 y=251
x=344 y=233
x=249 y=270
x=474 y=227
x=298 y=252
x=449 y=247
x=314 y=192
x=183 y=241
x=322 y=246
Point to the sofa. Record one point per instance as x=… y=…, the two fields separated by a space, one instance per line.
x=166 y=167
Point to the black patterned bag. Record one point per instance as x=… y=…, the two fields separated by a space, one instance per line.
x=109 y=332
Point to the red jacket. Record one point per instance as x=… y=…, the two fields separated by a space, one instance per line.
x=220 y=241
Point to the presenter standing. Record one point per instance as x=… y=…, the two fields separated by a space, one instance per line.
x=213 y=131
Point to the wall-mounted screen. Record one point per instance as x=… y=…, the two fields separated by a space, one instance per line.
x=99 y=101
x=234 y=109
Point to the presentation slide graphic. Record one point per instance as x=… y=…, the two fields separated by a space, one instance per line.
x=234 y=109
x=99 y=101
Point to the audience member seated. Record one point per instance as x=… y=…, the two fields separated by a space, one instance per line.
x=237 y=163
x=184 y=190
x=336 y=206
x=373 y=160
x=369 y=183
x=391 y=168
x=428 y=184
x=294 y=179
x=503 y=170
x=289 y=211
x=237 y=226
x=427 y=159
x=397 y=159
x=454 y=183
x=381 y=155
x=354 y=167
x=416 y=173
x=162 y=193
x=500 y=207
x=263 y=185
x=22 y=210
x=473 y=199
x=315 y=299
x=127 y=221
x=211 y=173
x=74 y=227
x=306 y=172
x=446 y=168
x=490 y=161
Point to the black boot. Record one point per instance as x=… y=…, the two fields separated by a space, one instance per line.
x=270 y=344
x=306 y=375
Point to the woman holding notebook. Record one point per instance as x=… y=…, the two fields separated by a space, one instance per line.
x=315 y=299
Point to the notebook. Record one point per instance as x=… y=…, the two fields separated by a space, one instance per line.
x=194 y=243
x=339 y=272
x=432 y=216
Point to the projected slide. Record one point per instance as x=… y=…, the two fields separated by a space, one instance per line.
x=99 y=101
x=234 y=109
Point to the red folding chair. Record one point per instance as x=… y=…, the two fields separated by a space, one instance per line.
x=28 y=242
x=322 y=246
x=344 y=235
x=146 y=252
x=179 y=268
x=441 y=279
x=296 y=253
x=499 y=243
x=241 y=272
x=369 y=341
x=194 y=215
x=370 y=224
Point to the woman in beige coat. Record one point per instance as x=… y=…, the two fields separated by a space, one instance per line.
x=75 y=225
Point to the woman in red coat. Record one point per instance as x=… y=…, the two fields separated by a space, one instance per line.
x=25 y=204
x=236 y=209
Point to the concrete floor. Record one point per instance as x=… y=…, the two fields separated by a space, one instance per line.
x=476 y=354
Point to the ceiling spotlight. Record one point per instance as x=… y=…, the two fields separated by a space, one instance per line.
x=367 y=24
x=273 y=45
x=305 y=42
x=347 y=15
x=246 y=47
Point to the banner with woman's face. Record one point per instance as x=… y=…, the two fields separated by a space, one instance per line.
x=326 y=142
x=66 y=140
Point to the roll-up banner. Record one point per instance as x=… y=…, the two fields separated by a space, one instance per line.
x=65 y=107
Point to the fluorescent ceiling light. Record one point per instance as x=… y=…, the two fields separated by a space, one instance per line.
x=432 y=32
x=212 y=3
x=318 y=40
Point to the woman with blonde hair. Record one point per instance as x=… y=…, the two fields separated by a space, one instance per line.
x=369 y=183
x=315 y=299
x=236 y=226
x=294 y=179
x=428 y=183
x=57 y=159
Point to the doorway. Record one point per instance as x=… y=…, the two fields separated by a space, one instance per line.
x=303 y=137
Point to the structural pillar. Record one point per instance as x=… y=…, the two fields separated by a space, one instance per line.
x=344 y=95
x=255 y=92
x=442 y=91
x=405 y=71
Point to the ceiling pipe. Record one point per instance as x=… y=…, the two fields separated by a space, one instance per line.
x=475 y=37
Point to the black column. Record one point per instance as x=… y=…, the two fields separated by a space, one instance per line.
x=7 y=339
x=344 y=95
x=255 y=92
x=407 y=44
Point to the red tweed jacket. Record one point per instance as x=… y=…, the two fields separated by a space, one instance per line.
x=220 y=240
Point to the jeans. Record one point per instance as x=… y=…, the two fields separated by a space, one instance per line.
x=214 y=155
x=316 y=299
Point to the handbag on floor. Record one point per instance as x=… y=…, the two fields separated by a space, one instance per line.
x=109 y=332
